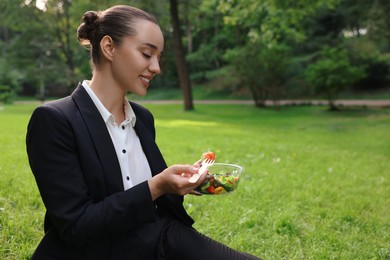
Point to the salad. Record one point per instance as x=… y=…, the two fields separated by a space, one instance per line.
x=219 y=184
x=222 y=178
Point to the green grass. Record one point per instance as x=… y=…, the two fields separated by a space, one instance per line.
x=315 y=186
x=209 y=92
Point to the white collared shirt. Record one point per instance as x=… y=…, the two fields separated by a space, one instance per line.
x=132 y=160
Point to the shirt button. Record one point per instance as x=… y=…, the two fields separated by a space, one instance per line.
x=127 y=178
x=123 y=127
x=123 y=151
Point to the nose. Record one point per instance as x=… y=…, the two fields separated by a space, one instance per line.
x=154 y=66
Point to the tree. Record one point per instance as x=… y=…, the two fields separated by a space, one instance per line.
x=27 y=44
x=332 y=73
x=262 y=68
x=368 y=40
x=64 y=32
x=212 y=37
x=209 y=38
x=267 y=27
x=181 y=65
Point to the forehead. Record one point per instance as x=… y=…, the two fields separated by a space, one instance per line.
x=149 y=34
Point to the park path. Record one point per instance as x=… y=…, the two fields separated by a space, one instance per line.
x=341 y=102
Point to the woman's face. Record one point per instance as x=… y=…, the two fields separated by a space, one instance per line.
x=136 y=60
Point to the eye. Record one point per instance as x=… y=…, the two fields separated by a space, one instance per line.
x=147 y=56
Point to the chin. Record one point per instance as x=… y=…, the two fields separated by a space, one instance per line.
x=140 y=93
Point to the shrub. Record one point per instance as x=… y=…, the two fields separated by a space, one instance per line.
x=332 y=73
x=376 y=74
x=6 y=94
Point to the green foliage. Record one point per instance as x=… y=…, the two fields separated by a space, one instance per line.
x=10 y=80
x=209 y=38
x=262 y=68
x=6 y=94
x=274 y=20
x=332 y=72
x=204 y=57
x=364 y=52
x=306 y=27
x=323 y=28
x=315 y=184
x=372 y=17
x=40 y=46
x=377 y=74
x=263 y=64
x=30 y=48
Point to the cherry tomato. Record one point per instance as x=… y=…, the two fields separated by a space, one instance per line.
x=210 y=189
x=209 y=155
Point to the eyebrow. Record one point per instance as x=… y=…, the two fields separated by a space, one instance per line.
x=150 y=45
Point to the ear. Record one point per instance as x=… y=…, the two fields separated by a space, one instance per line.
x=107 y=47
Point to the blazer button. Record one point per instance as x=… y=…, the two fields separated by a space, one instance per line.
x=123 y=151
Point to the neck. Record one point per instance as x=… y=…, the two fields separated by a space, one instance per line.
x=109 y=94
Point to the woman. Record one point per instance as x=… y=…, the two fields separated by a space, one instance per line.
x=104 y=183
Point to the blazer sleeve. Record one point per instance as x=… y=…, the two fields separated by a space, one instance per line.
x=73 y=211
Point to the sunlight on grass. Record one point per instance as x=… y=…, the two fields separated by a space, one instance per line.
x=185 y=123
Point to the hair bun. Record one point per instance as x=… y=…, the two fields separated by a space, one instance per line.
x=90 y=19
x=86 y=30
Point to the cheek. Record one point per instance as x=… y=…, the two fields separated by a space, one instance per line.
x=123 y=74
x=132 y=62
x=129 y=65
x=124 y=65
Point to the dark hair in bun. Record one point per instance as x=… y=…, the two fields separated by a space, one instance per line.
x=87 y=28
x=116 y=22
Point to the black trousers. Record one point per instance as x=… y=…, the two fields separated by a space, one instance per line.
x=165 y=239
x=181 y=242
x=170 y=239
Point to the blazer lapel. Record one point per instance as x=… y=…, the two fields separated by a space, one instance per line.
x=101 y=139
x=151 y=150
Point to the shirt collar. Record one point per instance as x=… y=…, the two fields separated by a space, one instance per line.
x=129 y=112
x=106 y=115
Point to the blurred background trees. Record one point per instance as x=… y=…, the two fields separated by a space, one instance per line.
x=270 y=49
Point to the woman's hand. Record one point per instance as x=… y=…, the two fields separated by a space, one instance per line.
x=197 y=164
x=174 y=180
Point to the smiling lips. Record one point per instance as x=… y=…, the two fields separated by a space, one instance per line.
x=145 y=81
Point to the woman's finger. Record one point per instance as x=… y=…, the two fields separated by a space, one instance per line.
x=196 y=193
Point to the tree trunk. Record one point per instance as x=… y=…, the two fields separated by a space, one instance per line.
x=181 y=65
x=331 y=102
x=259 y=96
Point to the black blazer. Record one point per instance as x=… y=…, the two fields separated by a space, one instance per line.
x=78 y=175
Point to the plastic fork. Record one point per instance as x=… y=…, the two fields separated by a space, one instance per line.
x=206 y=163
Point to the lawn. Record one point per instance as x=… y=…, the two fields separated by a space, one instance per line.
x=316 y=183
